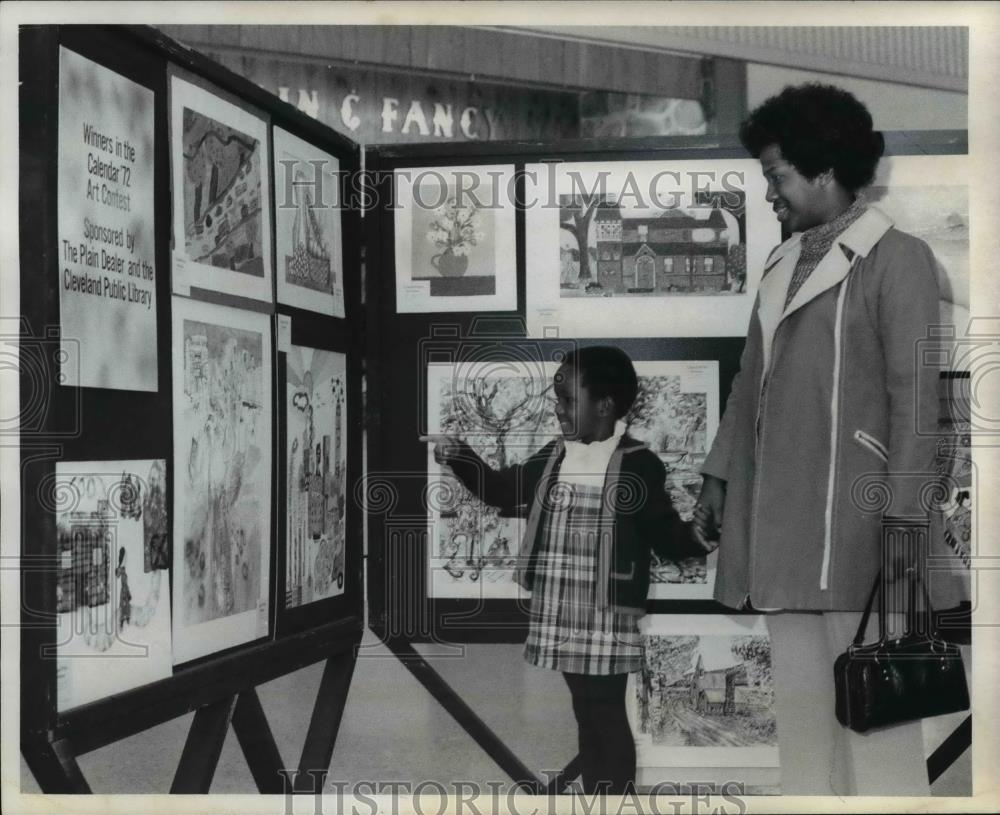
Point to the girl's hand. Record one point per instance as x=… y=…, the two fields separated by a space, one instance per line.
x=709 y=509
x=446 y=448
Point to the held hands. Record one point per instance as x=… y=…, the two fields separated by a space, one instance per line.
x=446 y=448
x=708 y=512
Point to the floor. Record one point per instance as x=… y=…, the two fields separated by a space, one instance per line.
x=394 y=731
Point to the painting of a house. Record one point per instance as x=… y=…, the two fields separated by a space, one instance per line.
x=644 y=255
x=713 y=690
x=707 y=691
x=608 y=250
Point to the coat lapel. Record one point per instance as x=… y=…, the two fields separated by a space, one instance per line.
x=777 y=276
x=859 y=238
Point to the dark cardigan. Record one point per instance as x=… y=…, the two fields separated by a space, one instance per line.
x=640 y=517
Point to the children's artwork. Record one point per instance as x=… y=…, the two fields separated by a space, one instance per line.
x=677 y=414
x=309 y=246
x=704 y=697
x=113 y=585
x=508 y=415
x=633 y=249
x=937 y=212
x=455 y=246
x=505 y=417
x=221 y=195
x=222 y=494
x=317 y=472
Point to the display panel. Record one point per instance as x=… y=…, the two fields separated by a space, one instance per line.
x=507 y=413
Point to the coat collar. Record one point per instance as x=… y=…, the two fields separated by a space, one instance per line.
x=857 y=240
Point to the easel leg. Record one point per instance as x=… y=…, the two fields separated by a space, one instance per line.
x=203 y=747
x=464 y=715
x=257 y=742
x=321 y=738
x=560 y=783
x=54 y=767
x=949 y=750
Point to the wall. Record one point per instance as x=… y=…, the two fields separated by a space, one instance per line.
x=893 y=106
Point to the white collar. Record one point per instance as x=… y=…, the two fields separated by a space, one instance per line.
x=582 y=460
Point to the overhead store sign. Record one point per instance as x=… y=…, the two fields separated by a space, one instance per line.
x=376 y=107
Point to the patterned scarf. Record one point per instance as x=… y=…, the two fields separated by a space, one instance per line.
x=816 y=242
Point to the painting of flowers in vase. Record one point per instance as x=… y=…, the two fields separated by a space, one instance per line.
x=455 y=242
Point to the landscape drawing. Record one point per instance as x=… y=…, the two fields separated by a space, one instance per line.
x=316 y=475
x=222 y=443
x=222 y=221
x=113 y=584
x=506 y=417
x=705 y=693
x=454 y=236
x=308 y=214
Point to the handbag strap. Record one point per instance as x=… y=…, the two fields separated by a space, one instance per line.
x=929 y=630
x=859 y=637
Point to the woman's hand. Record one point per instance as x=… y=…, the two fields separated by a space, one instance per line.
x=446 y=448
x=709 y=509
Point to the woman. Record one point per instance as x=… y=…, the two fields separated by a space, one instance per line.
x=828 y=395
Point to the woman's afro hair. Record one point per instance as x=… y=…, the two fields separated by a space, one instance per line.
x=817 y=128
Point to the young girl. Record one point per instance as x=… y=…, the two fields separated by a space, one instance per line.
x=597 y=507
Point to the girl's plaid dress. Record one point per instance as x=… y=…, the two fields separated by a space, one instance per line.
x=566 y=631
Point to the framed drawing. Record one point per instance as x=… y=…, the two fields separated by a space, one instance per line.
x=113 y=581
x=704 y=697
x=677 y=415
x=221 y=195
x=455 y=246
x=308 y=225
x=645 y=248
x=508 y=413
x=222 y=495
x=316 y=461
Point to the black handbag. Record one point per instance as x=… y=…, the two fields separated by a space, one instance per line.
x=898 y=680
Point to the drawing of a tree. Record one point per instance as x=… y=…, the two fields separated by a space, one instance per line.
x=495 y=408
x=666 y=417
x=736 y=266
x=755 y=651
x=575 y=214
x=667 y=659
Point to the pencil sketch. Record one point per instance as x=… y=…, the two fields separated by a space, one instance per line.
x=222 y=444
